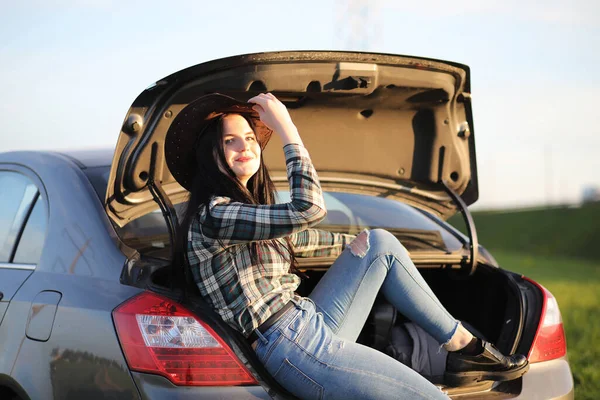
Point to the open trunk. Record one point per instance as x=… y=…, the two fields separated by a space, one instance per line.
x=491 y=300
x=403 y=129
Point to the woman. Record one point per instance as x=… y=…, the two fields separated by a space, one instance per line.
x=241 y=248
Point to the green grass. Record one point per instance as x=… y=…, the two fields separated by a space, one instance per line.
x=564 y=231
x=576 y=286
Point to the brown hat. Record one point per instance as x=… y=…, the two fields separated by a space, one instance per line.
x=190 y=124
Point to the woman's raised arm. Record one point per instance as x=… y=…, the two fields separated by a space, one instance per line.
x=233 y=222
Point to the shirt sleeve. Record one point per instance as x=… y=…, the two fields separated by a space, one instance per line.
x=319 y=243
x=234 y=222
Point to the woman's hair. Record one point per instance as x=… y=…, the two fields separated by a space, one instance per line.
x=209 y=180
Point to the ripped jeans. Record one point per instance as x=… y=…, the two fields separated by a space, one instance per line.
x=311 y=349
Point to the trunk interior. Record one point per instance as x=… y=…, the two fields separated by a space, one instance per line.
x=489 y=301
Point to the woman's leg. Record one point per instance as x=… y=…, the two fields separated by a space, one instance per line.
x=309 y=360
x=346 y=293
x=376 y=260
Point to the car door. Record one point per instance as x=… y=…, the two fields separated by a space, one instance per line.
x=22 y=231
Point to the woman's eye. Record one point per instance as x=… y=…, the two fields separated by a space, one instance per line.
x=228 y=141
x=250 y=138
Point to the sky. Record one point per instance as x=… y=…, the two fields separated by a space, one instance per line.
x=70 y=69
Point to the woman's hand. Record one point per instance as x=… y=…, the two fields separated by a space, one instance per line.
x=276 y=117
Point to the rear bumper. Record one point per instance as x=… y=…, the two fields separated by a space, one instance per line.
x=152 y=387
x=548 y=380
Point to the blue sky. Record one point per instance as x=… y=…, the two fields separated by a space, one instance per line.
x=69 y=70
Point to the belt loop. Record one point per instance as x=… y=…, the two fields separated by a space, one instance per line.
x=261 y=337
x=309 y=300
x=295 y=301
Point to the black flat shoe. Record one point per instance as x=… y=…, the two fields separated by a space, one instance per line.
x=489 y=365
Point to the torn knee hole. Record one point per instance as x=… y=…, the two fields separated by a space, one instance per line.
x=360 y=245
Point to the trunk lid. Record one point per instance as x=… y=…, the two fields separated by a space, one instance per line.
x=370 y=122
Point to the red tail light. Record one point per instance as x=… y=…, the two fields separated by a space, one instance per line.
x=549 y=342
x=161 y=337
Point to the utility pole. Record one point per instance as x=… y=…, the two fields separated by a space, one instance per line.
x=548 y=172
x=357 y=24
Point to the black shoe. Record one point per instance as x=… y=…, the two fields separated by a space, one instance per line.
x=489 y=365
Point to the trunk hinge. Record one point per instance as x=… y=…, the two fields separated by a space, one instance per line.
x=170 y=216
x=469 y=263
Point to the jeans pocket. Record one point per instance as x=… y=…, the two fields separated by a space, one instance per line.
x=296 y=382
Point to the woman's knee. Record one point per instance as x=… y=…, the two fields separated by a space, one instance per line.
x=385 y=241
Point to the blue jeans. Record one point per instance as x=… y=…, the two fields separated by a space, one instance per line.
x=311 y=349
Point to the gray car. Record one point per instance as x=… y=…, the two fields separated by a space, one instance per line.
x=95 y=304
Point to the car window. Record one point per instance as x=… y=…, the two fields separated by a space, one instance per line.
x=353 y=212
x=16 y=197
x=29 y=248
x=346 y=213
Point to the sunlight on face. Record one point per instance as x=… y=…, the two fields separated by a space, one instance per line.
x=241 y=149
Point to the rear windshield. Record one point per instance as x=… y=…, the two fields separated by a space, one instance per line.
x=346 y=213
x=351 y=213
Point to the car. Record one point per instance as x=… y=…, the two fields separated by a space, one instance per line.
x=95 y=303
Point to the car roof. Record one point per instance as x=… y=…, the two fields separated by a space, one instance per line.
x=83 y=158
x=90 y=158
x=43 y=162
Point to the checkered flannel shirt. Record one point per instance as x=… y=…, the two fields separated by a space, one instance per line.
x=243 y=293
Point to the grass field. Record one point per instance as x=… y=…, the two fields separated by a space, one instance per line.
x=565 y=231
x=559 y=248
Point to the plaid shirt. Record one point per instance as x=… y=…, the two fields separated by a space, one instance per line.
x=243 y=293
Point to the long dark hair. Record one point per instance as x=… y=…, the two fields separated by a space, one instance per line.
x=209 y=180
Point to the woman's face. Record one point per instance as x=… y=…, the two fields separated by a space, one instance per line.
x=241 y=149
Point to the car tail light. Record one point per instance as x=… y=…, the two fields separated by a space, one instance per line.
x=549 y=342
x=159 y=336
